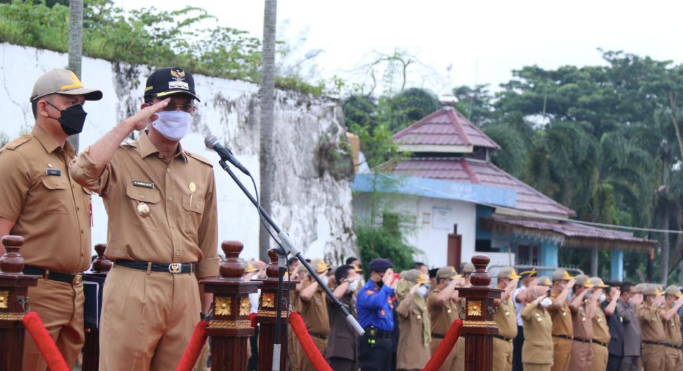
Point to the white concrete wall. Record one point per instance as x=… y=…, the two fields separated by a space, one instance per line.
x=315 y=210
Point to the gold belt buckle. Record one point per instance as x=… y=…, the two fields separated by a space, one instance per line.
x=174 y=268
x=78 y=279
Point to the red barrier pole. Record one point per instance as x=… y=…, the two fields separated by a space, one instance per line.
x=312 y=352
x=46 y=346
x=194 y=350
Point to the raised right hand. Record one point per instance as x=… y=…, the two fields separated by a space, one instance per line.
x=413 y=289
x=141 y=119
x=388 y=277
x=570 y=284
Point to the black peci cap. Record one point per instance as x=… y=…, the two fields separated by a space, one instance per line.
x=168 y=81
x=380 y=265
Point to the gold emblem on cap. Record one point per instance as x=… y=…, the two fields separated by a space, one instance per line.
x=143 y=209
x=192 y=187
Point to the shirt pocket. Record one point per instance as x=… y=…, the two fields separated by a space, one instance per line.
x=193 y=210
x=56 y=195
x=150 y=197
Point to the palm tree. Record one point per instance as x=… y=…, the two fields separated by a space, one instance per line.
x=267 y=96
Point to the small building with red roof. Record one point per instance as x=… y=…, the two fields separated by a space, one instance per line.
x=454 y=203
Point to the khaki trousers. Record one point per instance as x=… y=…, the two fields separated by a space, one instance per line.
x=536 y=367
x=582 y=357
x=562 y=351
x=600 y=357
x=294 y=349
x=674 y=359
x=654 y=357
x=60 y=307
x=147 y=319
x=306 y=365
x=449 y=362
x=502 y=355
x=460 y=354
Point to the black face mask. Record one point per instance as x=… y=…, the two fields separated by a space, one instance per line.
x=72 y=118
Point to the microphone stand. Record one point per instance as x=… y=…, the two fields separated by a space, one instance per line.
x=289 y=248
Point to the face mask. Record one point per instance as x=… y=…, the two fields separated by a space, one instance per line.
x=546 y=302
x=353 y=286
x=447 y=282
x=602 y=298
x=173 y=125
x=428 y=286
x=72 y=119
x=588 y=295
x=563 y=285
x=422 y=291
x=325 y=280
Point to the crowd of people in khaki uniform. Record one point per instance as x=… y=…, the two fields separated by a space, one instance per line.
x=161 y=201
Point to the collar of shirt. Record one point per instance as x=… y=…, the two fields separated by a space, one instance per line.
x=146 y=147
x=50 y=144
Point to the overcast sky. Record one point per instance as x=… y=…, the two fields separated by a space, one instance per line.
x=483 y=41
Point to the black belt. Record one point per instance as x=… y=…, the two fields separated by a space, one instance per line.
x=74 y=279
x=583 y=340
x=437 y=336
x=374 y=332
x=671 y=346
x=653 y=342
x=502 y=337
x=173 y=268
x=563 y=337
x=600 y=343
x=319 y=336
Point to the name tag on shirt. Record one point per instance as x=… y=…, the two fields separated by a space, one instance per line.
x=139 y=183
x=53 y=172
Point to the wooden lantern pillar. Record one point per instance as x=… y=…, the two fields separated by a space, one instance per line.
x=14 y=303
x=97 y=274
x=267 y=315
x=230 y=328
x=478 y=325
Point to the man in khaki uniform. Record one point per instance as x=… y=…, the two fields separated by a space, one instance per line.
x=467 y=271
x=314 y=312
x=583 y=310
x=652 y=329
x=672 y=327
x=537 y=351
x=41 y=202
x=601 y=334
x=415 y=337
x=506 y=319
x=563 y=329
x=441 y=304
x=161 y=203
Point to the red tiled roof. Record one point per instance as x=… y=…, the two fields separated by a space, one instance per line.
x=483 y=173
x=572 y=234
x=446 y=127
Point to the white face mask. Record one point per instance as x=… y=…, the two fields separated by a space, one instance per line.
x=353 y=286
x=546 y=302
x=173 y=125
x=325 y=279
x=422 y=291
x=602 y=298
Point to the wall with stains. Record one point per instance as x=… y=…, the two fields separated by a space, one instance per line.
x=313 y=206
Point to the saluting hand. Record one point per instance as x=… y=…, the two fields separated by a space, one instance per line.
x=413 y=289
x=570 y=284
x=616 y=293
x=141 y=119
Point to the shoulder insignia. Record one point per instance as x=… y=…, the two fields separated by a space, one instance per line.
x=199 y=158
x=16 y=143
x=369 y=292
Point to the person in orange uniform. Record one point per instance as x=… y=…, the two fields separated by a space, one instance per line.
x=41 y=202
x=563 y=329
x=672 y=327
x=652 y=329
x=506 y=319
x=413 y=344
x=537 y=351
x=163 y=231
x=441 y=304
x=314 y=312
x=601 y=334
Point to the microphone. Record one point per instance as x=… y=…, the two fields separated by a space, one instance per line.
x=212 y=142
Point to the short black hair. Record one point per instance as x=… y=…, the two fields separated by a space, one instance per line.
x=291 y=261
x=350 y=260
x=34 y=108
x=418 y=265
x=626 y=286
x=342 y=272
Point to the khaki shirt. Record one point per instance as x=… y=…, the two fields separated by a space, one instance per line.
x=600 y=326
x=672 y=328
x=651 y=324
x=441 y=316
x=50 y=210
x=538 y=341
x=411 y=353
x=582 y=320
x=562 y=319
x=506 y=319
x=314 y=312
x=181 y=196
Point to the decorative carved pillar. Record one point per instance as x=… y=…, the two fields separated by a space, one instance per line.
x=97 y=274
x=478 y=325
x=230 y=327
x=13 y=303
x=267 y=315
